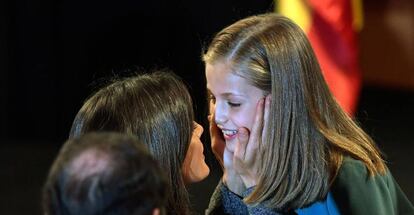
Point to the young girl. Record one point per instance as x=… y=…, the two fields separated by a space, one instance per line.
x=285 y=144
x=157 y=109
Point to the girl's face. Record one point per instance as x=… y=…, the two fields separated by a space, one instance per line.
x=233 y=100
x=195 y=168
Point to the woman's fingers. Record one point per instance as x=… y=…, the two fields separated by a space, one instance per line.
x=241 y=146
x=228 y=159
x=217 y=141
x=247 y=145
x=245 y=155
x=256 y=133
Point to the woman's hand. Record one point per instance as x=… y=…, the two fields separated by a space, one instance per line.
x=217 y=141
x=230 y=177
x=245 y=159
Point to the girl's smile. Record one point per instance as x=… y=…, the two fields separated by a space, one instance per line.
x=233 y=100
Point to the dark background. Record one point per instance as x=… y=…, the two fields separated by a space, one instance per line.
x=54 y=53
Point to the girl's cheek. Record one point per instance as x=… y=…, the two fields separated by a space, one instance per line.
x=249 y=119
x=243 y=119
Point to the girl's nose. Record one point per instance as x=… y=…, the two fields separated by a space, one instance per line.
x=220 y=115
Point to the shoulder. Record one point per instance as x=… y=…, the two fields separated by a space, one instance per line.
x=356 y=192
x=354 y=171
x=223 y=201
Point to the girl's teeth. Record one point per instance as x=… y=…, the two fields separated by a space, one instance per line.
x=229 y=133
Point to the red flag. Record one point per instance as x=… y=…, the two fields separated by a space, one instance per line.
x=330 y=26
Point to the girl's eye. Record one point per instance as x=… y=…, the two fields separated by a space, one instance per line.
x=234 y=104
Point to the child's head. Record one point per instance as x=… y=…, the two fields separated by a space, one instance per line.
x=308 y=133
x=156 y=108
x=105 y=173
x=273 y=55
x=269 y=54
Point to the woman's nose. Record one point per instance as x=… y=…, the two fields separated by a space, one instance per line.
x=199 y=129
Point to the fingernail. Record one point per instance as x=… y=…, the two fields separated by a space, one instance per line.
x=242 y=132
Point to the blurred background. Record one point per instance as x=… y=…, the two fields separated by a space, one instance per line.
x=54 y=53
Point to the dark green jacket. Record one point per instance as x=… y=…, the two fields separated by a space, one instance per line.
x=357 y=193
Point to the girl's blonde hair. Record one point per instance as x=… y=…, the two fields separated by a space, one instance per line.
x=308 y=133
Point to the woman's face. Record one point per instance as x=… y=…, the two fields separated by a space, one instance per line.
x=195 y=168
x=233 y=100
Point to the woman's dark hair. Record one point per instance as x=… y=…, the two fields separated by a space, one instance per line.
x=157 y=109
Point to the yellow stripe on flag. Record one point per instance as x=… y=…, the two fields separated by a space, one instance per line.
x=358 y=17
x=296 y=10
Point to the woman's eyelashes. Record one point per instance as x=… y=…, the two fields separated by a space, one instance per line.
x=211 y=98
